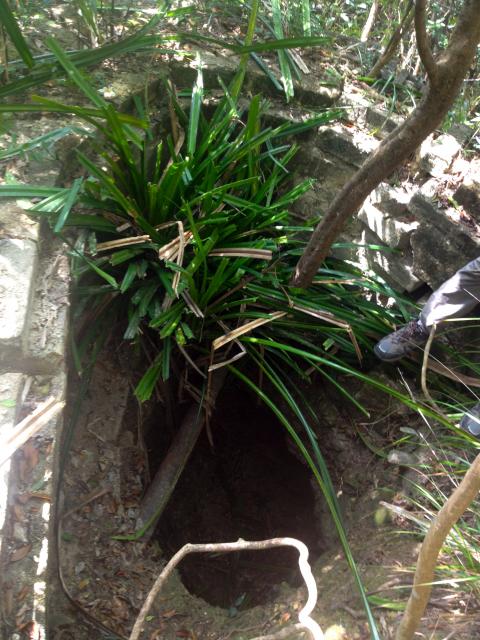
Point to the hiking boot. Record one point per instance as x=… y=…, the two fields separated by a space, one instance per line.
x=402 y=342
x=470 y=421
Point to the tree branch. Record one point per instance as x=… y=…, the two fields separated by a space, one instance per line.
x=227 y=547
x=452 y=65
x=423 y=44
x=448 y=515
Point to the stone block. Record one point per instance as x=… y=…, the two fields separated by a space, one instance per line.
x=16 y=224
x=461 y=132
x=310 y=90
x=468 y=195
x=437 y=254
x=18 y=261
x=357 y=104
x=46 y=343
x=436 y=155
x=392 y=201
x=11 y=385
x=395 y=267
x=382 y=121
x=447 y=220
x=392 y=231
x=349 y=145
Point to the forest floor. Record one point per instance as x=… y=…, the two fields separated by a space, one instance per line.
x=253 y=488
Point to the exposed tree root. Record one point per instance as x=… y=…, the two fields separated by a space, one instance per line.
x=304 y=618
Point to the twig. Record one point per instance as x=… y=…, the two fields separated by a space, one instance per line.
x=28 y=427
x=304 y=618
x=425 y=365
x=283 y=633
x=423 y=45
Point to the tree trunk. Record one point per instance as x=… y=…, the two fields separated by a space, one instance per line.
x=166 y=478
x=445 y=77
x=372 y=14
x=448 y=515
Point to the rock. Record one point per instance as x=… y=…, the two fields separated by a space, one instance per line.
x=395 y=268
x=349 y=145
x=382 y=120
x=437 y=155
x=310 y=90
x=402 y=458
x=18 y=261
x=468 y=195
x=19 y=533
x=393 y=201
x=461 y=132
x=11 y=385
x=14 y=223
x=437 y=255
x=391 y=230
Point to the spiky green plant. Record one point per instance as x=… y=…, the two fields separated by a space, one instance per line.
x=189 y=242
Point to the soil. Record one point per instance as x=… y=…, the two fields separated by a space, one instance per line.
x=250 y=484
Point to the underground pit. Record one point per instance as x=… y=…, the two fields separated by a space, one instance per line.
x=249 y=485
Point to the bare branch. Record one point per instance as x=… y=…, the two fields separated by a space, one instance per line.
x=423 y=45
x=304 y=618
x=448 y=515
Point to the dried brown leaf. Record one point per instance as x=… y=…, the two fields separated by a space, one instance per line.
x=23 y=593
x=18 y=513
x=20 y=553
x=39 y=495
x=30 y=455
x=169 y=614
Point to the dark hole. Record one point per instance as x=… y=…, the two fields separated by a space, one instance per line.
x=250 y=486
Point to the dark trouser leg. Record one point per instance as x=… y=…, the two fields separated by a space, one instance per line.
x=456 y=297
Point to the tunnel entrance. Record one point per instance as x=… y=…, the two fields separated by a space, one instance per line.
x=250 y=485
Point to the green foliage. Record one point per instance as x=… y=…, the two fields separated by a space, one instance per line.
x=9 y=22
x=186 y=242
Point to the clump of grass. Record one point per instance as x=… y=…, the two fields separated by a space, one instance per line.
x=186 y=242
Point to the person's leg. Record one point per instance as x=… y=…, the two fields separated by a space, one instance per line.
x=453 y=299
x=456 y=297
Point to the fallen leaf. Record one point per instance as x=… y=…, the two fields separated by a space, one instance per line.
x=285 y=617
x=19 y=621
x=169 y=614
x=30 y=455
x=83 y=583
x=39 y=495
x=18 y=513
x=22 y=594
x=120 y=608
x=20 y=553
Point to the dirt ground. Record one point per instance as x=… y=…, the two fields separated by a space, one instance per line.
x=250 y=485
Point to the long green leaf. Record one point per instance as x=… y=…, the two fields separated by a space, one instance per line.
x=324 y=482
x=74 y=74
x=197 y=97
x=71 y=199
x=287 y=80
x=10 y=23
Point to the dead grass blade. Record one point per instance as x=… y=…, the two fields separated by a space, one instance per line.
x=122 y=242
x=246 y=328
x=329 y=317
x=239 y=252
